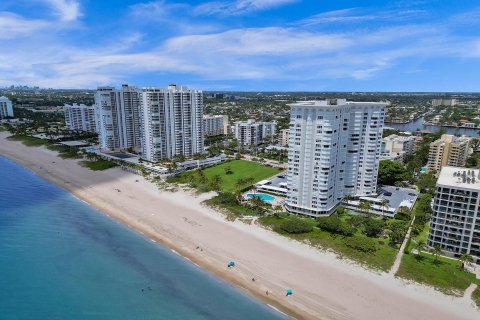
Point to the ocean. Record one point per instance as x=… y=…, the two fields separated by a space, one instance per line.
x=62 y=259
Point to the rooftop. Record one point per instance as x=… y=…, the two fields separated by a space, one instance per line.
x=333 y=102
x=396 y=196
x=459 y=177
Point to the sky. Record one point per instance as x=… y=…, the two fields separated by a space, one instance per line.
x=243 y=45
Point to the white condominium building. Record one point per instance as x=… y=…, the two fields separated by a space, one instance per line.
x=455 y=221
x=172 y=122
x=118 y=121
x=449 y=150
x=80 y=117
x=215 y=125
x=251 y=133
x=6 y=109
x=397 y=147
x=333 y=151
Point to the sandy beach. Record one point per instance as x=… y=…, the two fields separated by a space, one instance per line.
x=324 y=286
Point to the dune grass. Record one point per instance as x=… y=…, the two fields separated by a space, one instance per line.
x=98 y=165
x=382 y=259
x=30 y=141
x=476 y=295
x=443 y=274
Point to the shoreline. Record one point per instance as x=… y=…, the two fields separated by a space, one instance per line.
x=324 y=286
x=178 y=250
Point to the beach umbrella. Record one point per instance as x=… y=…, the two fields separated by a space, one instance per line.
x=231 y=264
x=289 y=292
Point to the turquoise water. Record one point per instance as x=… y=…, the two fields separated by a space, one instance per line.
x=263 y=196
x=62 y=259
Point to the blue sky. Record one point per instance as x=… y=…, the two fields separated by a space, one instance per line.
x=252 y=45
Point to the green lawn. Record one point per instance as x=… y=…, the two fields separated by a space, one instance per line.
x=241 y=169
x=476 y=295
x=98 y=165
x=423 y=236
x=444 y=275
x=382 y=259
x=30 y=141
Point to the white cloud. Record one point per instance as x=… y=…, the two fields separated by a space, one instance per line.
x=238 y=7
x=355 y=15
x=13 y=25
x=155 y=10
x=67 y=10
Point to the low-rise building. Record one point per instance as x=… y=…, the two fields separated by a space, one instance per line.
x=455 y=221
x=214 y=125
x=6 y=108
x=396 y=147
x=79 y=117
x=251 y=133
x=449 y=150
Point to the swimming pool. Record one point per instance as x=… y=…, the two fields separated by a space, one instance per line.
x=263 y=196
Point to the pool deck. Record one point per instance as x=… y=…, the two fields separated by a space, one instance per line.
x=277 y=200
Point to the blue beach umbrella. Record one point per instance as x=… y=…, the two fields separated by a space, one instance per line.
x=231 y=264
x=289 y=292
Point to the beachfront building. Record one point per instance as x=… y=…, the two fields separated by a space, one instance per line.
x=444 y=102
x=172 y=122
x=6 y=108
x=449 y=150
x=333 y=152
x=284 y=137
x=118 y=118
x=455 y=221
x=397 y=148
x=214 y=125
x=79 y=117
x=251 y=133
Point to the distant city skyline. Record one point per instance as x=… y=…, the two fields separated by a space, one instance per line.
x=243 y=45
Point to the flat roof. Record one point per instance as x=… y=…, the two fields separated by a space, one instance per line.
x=333 y=103
x=453 y=176
x=396 y=196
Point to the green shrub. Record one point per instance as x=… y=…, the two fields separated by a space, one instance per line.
x=335 y=225
x=296 y=226
x=361 y=243
x=373 y=227
x=355 y=221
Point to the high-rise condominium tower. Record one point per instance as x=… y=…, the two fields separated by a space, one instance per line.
x=172 y=122
x=334 y=149
x=118 y=118
x=6 y=109
x=455 y=221
x=80 y=117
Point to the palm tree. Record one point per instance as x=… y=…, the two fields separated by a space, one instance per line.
x=348 y=198
x=257 y=204
x=384 y=204
x=466 y=259
x=365 y=207
x=436 y=251
x=239 y=183
x=421 y=246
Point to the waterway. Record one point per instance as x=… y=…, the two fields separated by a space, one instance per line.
x=418 y=125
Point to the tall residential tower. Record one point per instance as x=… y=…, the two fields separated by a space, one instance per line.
x=334 y=149
x=118 y=118
x=6 y=109
x=172 y=122
x=79 y=117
